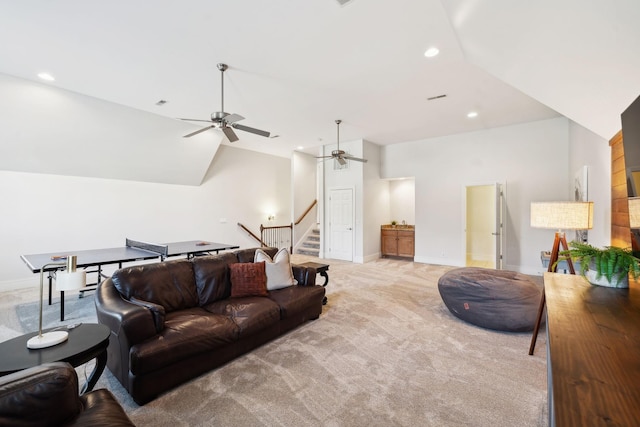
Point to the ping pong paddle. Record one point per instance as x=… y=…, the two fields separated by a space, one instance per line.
x=58 y=257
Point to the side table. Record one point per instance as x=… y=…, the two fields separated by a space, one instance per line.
x=86 y=341
x=321 y=269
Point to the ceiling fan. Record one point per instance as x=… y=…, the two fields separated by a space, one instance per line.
x=340 y=155
x=225 y=121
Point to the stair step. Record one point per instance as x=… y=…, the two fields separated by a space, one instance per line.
x=311 y=245
x=308 y=252
x=313 y=238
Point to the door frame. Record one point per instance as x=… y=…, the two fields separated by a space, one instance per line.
x=500 y=262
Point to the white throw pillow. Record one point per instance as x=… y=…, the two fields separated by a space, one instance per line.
x=279 y=273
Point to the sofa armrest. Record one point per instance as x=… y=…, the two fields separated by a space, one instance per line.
x=43 y=395
x=306 y=276
x=122 y=316
x=157 y=311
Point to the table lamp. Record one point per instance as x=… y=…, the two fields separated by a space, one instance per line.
x=66 y=280
x=559 y=216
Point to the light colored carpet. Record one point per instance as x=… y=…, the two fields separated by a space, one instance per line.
x=384 y=352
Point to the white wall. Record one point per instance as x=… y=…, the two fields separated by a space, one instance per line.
x=587 y=148
x=50 y=213
x=376 y=203
x=531 y=158
x=402 y=201
x=304 y=190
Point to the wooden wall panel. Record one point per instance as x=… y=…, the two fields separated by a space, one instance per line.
x=620 y=231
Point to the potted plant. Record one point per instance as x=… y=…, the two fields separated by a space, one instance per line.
x=393 y=223
x=609 y=266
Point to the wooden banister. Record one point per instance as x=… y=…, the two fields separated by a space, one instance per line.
x=315 y=202
x=252 y=235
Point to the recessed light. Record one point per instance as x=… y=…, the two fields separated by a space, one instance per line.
x=431 y=52
x=300 y=147
x=472 y=114
x=46 y=76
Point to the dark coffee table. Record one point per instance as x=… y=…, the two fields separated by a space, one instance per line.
x=321 y=269
x=86 y=341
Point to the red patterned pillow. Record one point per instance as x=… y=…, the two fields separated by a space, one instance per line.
x=248 y=279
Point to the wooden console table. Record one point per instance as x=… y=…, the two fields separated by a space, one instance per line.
x=593 y=352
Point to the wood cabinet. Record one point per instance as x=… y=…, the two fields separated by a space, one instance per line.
x=593 y=352
x=397 y=241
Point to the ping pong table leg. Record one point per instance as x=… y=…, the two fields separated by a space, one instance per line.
x=50 y=286
x=61 y=306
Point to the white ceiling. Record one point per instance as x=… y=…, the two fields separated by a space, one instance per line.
x=296 y=66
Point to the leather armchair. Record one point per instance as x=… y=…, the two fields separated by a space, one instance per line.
x=47 y=395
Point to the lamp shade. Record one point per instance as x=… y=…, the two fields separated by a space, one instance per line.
x=562 y=215
x=70 y=280
x=634 y=212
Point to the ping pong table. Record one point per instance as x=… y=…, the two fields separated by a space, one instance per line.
x=134 y=250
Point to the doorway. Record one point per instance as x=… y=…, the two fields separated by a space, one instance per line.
x=341 y=224
x=484 y=226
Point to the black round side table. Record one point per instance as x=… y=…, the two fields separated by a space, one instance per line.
x=86 y=341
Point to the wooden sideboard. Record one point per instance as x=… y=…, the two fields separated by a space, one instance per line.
x=593 y=352
x=399 y=241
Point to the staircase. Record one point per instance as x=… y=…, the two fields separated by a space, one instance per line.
x=311 y=244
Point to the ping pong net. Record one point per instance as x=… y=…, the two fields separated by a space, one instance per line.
x=162 y=250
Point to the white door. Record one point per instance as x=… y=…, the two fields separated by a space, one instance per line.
x=484 y=226
x=341 y=224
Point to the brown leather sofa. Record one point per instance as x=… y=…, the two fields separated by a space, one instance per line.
x=47 y=395
x=174 y=320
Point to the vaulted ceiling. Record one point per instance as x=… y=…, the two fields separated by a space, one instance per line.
x=295 y=67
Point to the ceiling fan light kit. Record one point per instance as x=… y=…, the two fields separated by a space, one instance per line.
x=225 y=121
x=340 y=155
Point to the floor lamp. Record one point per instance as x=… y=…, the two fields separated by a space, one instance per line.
x=559 y=216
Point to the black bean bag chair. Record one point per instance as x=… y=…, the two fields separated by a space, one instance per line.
x=493 y=299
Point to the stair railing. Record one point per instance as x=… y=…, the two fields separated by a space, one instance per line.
x=315 y=202
x=277 y=236
x=258 y=239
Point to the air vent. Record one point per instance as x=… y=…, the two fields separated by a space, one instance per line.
x=344 y=2
x=436 y=97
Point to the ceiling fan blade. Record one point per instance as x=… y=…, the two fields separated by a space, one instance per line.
x=198 y=131
x=357 y=159
x=252 y=130
x=195 y=120
x=341 y=160
x=323 y=157
x=230 y=134
x=232 y=118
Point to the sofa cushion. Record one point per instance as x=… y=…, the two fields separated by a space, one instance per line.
x=251 y=314
x=170 y=284
x=248 y=279
x=296 y=299
x=186 y=333
x=248 y=255
x=278 y=269
x=212 y=277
